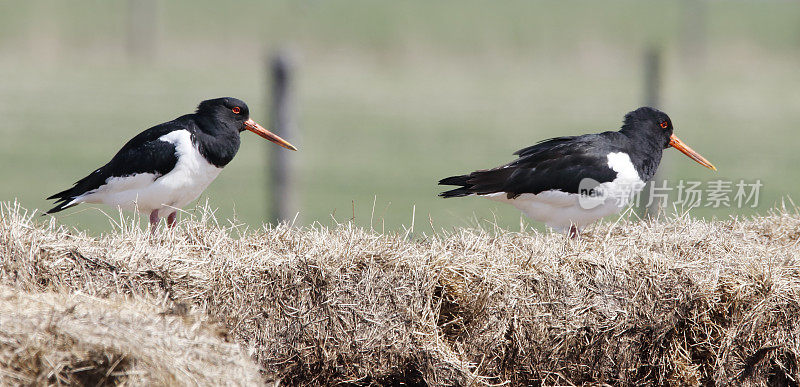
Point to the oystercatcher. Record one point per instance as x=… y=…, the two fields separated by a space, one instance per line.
x=169 y=165
x=570 y=182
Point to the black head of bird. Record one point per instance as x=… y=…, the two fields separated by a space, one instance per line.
x=653 y=127
x=233 y=113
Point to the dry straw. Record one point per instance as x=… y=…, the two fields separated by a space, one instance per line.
x=670 y=302
x=48 y=338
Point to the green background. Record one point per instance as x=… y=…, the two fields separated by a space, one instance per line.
x=392 y=96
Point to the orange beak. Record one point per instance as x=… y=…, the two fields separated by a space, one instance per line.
x=676 y=143
x=259 y=130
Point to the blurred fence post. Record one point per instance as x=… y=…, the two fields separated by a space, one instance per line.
x=652 y=98
x=142 y=29
x=280 y=179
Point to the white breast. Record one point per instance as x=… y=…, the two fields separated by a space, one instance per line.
x=184 y=183
x=559 y=209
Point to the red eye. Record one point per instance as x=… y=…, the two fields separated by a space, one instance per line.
x=236 y=110
x=664 y=124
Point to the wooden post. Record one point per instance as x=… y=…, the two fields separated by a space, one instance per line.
x=652 y=77
x=142 y=29
x=652 y=98
x=282 y=206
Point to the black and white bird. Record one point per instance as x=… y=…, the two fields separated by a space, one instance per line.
x=169 y=165
x=570 y=182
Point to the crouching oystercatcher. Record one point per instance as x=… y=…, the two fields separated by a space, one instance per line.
x=169 y=165
x=570 y=182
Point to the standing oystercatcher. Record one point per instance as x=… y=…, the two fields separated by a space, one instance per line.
x=570 y=182
x=169 y=165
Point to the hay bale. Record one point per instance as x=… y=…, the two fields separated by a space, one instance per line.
x=59 y=339
x=670 y=302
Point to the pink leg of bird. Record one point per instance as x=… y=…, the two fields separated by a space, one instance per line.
x=573 y=232
x=171 y=219
x=153 y=221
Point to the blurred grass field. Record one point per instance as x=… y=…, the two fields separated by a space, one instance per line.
x=392 y=96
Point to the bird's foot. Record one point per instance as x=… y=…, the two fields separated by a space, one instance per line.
x=573 y=232
x=153 y=222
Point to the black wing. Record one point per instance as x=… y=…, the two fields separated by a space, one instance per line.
x=144 y=153
x=556 y=164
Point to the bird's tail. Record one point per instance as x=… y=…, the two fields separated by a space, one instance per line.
x=461 y=180
x=64 y=199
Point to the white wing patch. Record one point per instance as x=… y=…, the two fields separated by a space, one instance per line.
x=621 y=164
